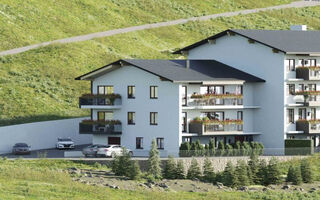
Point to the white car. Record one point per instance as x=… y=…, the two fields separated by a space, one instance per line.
x=111 y=151
x=65 y=143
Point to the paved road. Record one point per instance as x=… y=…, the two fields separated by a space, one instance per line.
x=51 y=153
x=80 y=38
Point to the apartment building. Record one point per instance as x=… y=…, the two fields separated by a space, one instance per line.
x=237 y=85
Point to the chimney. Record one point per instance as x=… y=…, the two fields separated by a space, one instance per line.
x=298 y=27
x=187 y=63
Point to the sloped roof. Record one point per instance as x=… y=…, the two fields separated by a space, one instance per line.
x=176 y=71
x=287 y=41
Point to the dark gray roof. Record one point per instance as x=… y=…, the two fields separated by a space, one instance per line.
x=287 y=41
x=199 y=70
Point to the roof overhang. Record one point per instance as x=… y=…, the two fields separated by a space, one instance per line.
x=315 y=54
x=214 y=82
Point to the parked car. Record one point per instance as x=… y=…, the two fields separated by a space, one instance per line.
x=21 y=148
x=111 y=151
x=65 y=143
x=91 y=151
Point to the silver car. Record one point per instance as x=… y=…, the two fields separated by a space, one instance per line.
x=21 y=148
x=112 y=151
x=91 y=151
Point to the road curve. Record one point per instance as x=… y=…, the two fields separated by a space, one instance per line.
x=298 y=4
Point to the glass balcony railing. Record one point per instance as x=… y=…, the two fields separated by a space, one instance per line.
x=112 y=127
x=215 y=126
x=100 y=99
x=215 y=99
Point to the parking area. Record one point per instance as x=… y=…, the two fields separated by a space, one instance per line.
x=49 y=153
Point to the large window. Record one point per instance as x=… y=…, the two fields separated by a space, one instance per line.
x=131 y=118
x=291 y=89
x=184 y=122
x=313 y=113
x=216 y=89
x=290 y=115
x=105 y=89
x=160 y=143
x=105 y=116
x=131 y=92
x=139 y=143
x=302 y=113
x=153 y=92
x=184 y=95
x=290 y=63
x=153 y=118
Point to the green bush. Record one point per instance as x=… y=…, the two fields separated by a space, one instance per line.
x=262 y=175
x=154 y=168
x=121 y=164
x=294 y=175
x=134 y=170
x=208 y=172
x=229 y=177
x=169 y=171
x=180 y=171
x=237 y=148
x=229 y=150
x=274 y=174
x=221 y=149
x=194 y=171
x=185 y=149
x=253 y=165
x=306 y=171
x=241 y=173
x=298 y=147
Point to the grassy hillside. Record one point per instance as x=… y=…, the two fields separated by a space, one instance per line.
x=39 y=84
x=28 y=22
x=47 y=179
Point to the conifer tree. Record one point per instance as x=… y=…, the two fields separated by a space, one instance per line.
x=212 y=147
x=229 y=150
x=194 y=170
x=253 y=164
x=242 y=173
x=184 y=149
x=169 y=171
x=154 y=168
x=134 y=170
x=262 y=174
x=208 y=172
x=274 y=174
x=294 y=175
x=306 y=171
x=228 y=176
x=120 y=164
x=180 y=171
x=237 y=148
x=221 y=148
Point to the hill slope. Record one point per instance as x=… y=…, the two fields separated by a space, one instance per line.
x=28 y=22
x=39 y=84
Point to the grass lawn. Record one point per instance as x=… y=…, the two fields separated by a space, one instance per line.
x=47 y=179
x=39 y=85
x=28 y=22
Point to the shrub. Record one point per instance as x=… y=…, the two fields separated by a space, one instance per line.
x=237 y=148
x=228 y=176
x=294 y=175
x=185 y=149
x=242 y=173
x=194 y=170
x=120 y=164
x=180 y=171
x=221 y=148
x=245 y=149
x=253 y=168
x=229 y=150
x=134 y=170
x=154 y=168
x=208 y=173
x=274 y=174
x=169 y=171
x=306 y=171
x=212 y=146
x=298 y=147
x=262 y=175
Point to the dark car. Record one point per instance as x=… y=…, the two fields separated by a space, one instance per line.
x=21 y=148
x=91 y=151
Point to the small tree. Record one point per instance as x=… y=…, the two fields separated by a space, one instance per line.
x=120 y=164
x=228 y=176
x=169 y=171
x=274 y=174
x=253 y=164
x=242 y=173
x=208 y=173
x=180 y=171
x=207 y=150
x=134 y=170
x=237 y=148
x=294 y=175
x=262 y=175
x=194 y=170
x=245 y=149
x=306 y=171
x=229 y=150
x=221 y=148
x=199 y=149
x=154 y=168
x=212 y=146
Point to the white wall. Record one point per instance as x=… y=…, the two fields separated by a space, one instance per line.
x=167 y=106
x=41 y=135
x=260 y=61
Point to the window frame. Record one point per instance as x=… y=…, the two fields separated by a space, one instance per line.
x=104 y=89
x=290 y=116
x=185 y=97
x=161 y=144
x=155 y=90
x=133 y=116
x=133 y=91
x=291 y=89
x=154 y=118
x=291 y=68
x=141 y=142
x=185 y=121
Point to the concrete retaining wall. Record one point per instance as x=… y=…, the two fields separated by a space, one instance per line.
x=41 y=135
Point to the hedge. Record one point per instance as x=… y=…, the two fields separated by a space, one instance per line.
x=298 y=147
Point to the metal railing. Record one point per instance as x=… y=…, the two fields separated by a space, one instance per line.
x=113 y=129
x=215 y=102
x=85 y=101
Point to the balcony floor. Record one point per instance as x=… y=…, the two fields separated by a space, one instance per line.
x=222 y=133
x=219 y=107
x=102 y=107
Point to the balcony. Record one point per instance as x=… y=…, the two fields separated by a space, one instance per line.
x=310 y=98
x=215 y=127
x=308 y=73
x=110 y=127
x=308 y=126
x=216 y=100
x=107 y=101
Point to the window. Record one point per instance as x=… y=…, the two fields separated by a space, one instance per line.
x=153 y=92
x=131 y=117
x=139 y=143
x=239 y=117
x=239 y=89
x=313 y=113
x=131 y=92
x=291 y=89
x=312 y=62
x=188 y=139
x=160 y=143
x=290 y=115
x=215 y=115
x=290 y=64
x=184 y=95
x=216 y=89
x=301 y=87
x=105 y=116
x=184 y=122
x=312 y=87
x=105 y=89
x=153 y=118
x=302 y=62
x=302 y=113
